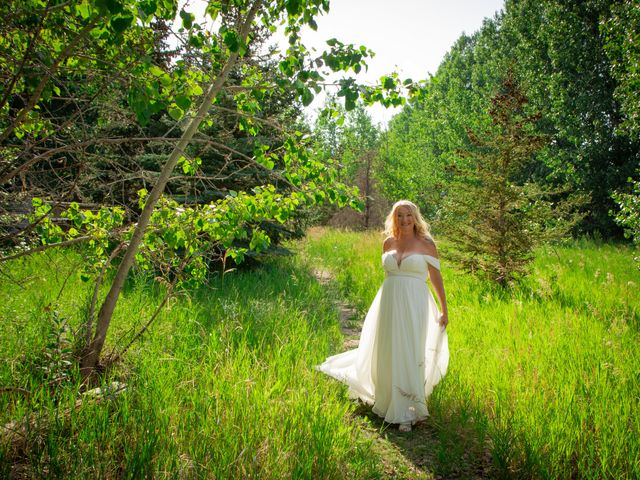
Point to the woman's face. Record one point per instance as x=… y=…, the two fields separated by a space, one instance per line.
x=405 y=219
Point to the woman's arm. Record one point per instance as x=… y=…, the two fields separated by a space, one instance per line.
x=436 y=280
x=438 y=286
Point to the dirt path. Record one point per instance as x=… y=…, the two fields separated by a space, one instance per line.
x=349 y=325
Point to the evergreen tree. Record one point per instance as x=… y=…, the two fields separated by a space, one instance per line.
x=495 y=216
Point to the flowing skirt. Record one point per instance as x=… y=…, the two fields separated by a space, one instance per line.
x=403 y=352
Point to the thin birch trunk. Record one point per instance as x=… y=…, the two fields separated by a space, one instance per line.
x=91 y=355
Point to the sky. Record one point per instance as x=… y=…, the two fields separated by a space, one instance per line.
x=409 y=36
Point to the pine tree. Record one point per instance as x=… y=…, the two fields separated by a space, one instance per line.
x=495 y=214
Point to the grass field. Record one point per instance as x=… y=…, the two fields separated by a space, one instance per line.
x=544 y=380
x=222 y=387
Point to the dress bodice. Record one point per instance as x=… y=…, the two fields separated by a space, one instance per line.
x=412 y=264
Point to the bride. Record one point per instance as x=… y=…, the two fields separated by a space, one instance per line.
x=403 y=350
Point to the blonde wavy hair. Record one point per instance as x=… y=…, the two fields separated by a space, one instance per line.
x=420 y=227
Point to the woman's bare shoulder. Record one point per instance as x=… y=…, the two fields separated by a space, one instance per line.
x=388 y=244
x=429 y=246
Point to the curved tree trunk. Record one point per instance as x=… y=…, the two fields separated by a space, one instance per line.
x=91 y=355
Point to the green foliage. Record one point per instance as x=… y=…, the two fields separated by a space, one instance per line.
x=496 y=215
x=99 y=227
x=628 y=213
x=345 y=136
x=424 y=139
x=570 y=69
x=622 y=46
x=350 y=139
x=183 y=240
x=569 y=79
x=114 y=61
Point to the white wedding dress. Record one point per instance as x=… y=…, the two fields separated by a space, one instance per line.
x=403 y=350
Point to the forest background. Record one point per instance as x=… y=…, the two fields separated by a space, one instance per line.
x=141 y=165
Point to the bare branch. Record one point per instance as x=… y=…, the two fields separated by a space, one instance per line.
x=42 y=248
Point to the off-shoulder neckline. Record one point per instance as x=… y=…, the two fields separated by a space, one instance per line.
x=391 y=252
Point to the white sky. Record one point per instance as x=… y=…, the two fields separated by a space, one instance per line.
x=410 y=36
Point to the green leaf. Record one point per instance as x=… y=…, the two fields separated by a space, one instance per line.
x=156 y=71
x=349 y=104
x=112 y=6
x=187 y=19
x=183 y=102
x=388 y=83
x=175 y=112
x=282 y=216
x=307 y=97
x=149 y=7
x=196 y=41
x=195 y=90
x=121 y=22
x=293 y=7
x=231 y=40
x=165 y=80
x=84 y=9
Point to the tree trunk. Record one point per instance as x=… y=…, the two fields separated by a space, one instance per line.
x=367 y=190
x=91 y=355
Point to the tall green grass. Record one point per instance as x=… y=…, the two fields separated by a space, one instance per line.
x=544 y=378
x=222 y=387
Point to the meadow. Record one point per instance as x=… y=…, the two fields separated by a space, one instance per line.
x=544 y=379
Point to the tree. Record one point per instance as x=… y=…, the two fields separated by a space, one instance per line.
x=569 y=79
x=423 y=140
x=622 y=45
x=572 y=73
x=622 y=34
x=114 y=42
x=628 y=213
x=350 y=138
x=495 y=215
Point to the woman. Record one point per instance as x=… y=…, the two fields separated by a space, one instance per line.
x=403 y=350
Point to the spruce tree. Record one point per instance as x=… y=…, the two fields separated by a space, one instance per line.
x=495 y=214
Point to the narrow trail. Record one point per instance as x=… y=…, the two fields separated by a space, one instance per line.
x=349 y=326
